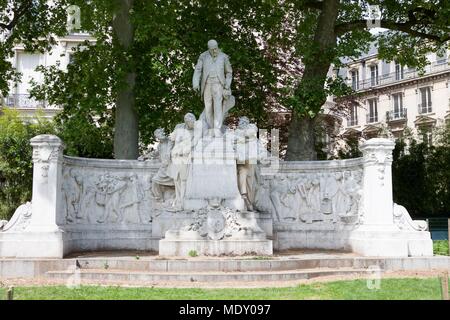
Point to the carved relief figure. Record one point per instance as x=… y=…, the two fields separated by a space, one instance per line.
x=109 y=194
x=328 y=190
x=307 y=189
x=262 y=200
x=87 y=202
x=281 y=195
x=353 y=189
x=340 y=199
x=71 y=190
x=131 y=197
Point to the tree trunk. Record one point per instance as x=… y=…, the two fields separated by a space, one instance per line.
x=311 y=94
x=126 y=134
x=301 y=140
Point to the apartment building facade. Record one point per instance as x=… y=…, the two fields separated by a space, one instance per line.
x=395 y=97
x=27 y=62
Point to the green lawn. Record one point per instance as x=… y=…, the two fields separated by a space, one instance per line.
x=411 y=288
x=440 y=247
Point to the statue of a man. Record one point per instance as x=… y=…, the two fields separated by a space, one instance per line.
x=212 y=77
x=246 y=143
x=162 y=178
x=183 y=140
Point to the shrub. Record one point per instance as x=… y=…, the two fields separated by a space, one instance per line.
x=16 y=167
x=193 y=253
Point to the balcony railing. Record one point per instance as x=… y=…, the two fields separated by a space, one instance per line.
x=352 y=122
x=393 y=77
x=371 y=118
x=397 y=115
x=425 y=108
x=23 y=101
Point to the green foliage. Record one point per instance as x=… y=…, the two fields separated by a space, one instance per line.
x=352 y=150
x=421 y=179
x=34 y=24
x=16 y=167
x=440 y=247
x=193 y=253
x=420 y=172
x=390 y=289
x=168 y=38
x=421 y=176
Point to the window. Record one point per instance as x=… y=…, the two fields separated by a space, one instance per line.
x=374 y=75
x=353 y=116
x=71 y=58
x=427 y=135
x=372 y=116
x=398 y=106
x=355 y=79
x=398 y=71
x=425 y=100
x=441 y=57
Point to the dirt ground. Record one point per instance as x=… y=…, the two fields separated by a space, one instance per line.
x=217 y=285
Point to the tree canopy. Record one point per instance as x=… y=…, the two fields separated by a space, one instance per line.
x=168 y=38
x=281 y=52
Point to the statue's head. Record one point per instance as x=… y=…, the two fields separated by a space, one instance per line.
x=213 y=48
x=243 y=122
x=189 y=120
x=159 y=134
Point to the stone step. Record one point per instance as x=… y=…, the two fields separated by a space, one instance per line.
x=138 y=277
x=216 y=265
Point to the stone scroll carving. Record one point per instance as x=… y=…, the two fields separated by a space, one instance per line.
x=20 y=220
x=403 y=220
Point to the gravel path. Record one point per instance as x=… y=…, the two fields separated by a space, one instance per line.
x=217 y=285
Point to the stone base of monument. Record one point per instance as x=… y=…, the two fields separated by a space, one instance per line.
x=36 y=244
x=383 y=241
x=184 y=248
x=217 y=232
x=391 y=243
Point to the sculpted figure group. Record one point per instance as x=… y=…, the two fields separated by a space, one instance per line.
x=303 y=198
x=307 y=198
x=212 y=80
x=175 y=153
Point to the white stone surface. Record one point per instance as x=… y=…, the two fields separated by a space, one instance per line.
x=91 y=204
x=168 y=247
x=213 y=178
x=33 y=230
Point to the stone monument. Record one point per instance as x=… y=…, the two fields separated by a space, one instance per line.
x=211 y=190
x=204 y=159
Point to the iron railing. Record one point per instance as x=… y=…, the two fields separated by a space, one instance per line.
x=352 y=122
x=23 y=101
x=435 y=67
x=425 y=107
x=400 y=114
x=371 y=118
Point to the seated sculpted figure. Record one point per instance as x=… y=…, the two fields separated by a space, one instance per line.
x=161 y=178
x=183 y=142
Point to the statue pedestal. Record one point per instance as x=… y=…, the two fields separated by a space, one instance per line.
x=184 y=248
x=213 y=177
x=216 y=232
